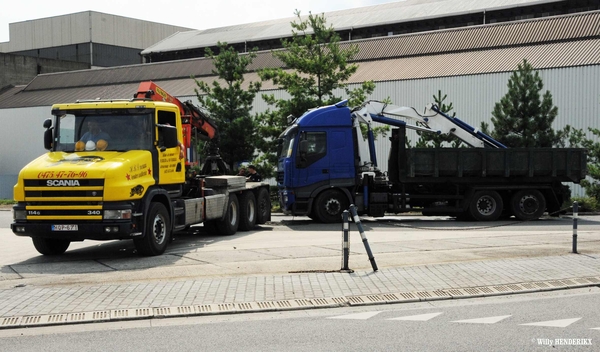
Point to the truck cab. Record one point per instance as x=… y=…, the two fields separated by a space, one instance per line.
x=317 y=156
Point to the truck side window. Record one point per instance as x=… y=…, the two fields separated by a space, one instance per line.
x=311 y=148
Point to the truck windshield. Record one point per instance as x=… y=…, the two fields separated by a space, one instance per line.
x=286 y=140
x=121 y=130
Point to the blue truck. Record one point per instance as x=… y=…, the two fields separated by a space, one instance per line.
x=325 y=164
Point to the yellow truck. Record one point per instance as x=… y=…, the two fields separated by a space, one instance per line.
x=121 y=169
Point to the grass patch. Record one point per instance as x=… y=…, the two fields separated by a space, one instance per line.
x=7 y=202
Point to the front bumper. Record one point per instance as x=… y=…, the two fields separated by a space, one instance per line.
x=85 y=231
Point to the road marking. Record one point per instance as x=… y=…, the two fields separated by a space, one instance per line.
x=486 y=320
x=555 y=323
x=356 y=316
x=420 y=317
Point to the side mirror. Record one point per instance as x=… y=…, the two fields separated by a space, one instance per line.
x=48 y=135
x=279 y=147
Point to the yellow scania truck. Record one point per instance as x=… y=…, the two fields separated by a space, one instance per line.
x=120 y=169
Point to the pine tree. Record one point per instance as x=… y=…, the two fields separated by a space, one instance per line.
x=521 y=118
x=315 y=64
x=433 y=140
x=230 y=105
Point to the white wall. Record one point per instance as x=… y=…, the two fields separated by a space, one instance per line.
x=21 y=140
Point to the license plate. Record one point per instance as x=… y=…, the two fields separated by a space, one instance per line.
x=64 y=228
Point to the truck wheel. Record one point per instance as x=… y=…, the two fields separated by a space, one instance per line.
x=157 y=231
x=486 y=206
x=329 y=205
x=229 y=225
x=48 y=246
x=247 y=211
x=263 y=204
x=528 y=204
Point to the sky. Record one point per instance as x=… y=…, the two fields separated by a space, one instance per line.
x=197 y=14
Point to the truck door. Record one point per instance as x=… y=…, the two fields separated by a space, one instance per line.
x=312 y=159
x=170 y=168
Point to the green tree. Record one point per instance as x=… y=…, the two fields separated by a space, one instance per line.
x=522 y=118
x=230 y=105
x=315 y=66
x=577 y=138
x=433 y=140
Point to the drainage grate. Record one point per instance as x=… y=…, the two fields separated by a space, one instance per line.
x=133 y=313
x=178 y=311
x=10 y=322
x=89 y=317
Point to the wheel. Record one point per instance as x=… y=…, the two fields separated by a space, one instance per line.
x=229 y=225
x=247 y=211
x=329 y=205
x=49 y=246
x=486 y=206
x=528 y=204
x=263 y=204
x=157 y=231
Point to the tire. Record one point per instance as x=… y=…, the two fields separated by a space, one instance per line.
x=486 y=206
x=247 y=211
x=157 y=231
x=528 y=204
x=49 y=246
x=329 y=206
x=263 y=205
x=229 y=225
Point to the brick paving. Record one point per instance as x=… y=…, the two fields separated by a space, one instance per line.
x=27 y=301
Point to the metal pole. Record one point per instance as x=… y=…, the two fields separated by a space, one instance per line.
x=345 y=243
x=362 y=235
x=575 y=214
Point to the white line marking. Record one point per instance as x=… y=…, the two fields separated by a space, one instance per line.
x=555 y=323
x=420 y=317
x=356 y=316
x=486 y=320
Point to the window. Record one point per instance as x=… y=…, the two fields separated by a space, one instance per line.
x=311 y=148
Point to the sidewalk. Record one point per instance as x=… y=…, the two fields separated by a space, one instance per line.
x=35 y=306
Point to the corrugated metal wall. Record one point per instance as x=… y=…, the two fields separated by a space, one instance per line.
x=575 y=90
x=21 y=140
x=85 y=27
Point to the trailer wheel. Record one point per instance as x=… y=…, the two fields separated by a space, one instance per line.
x=528 y=204
x=49 y=246
x=263 y=203
x=157 y=232
x=247 y=211
x=486 y=206
x=329 y=205
x=229 y=225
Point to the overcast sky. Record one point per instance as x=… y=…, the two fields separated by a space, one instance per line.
x=197 y=14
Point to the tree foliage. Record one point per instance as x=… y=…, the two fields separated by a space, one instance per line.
x=230 y=105
x=315 y=66
x=523 y=118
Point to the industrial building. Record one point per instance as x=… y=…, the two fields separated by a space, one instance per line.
x=465 y=49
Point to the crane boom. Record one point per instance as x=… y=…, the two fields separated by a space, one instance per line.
x=435 y=121
x=193 y=119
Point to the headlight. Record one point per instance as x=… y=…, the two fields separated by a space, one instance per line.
x=117 y=214
x=20 y=214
